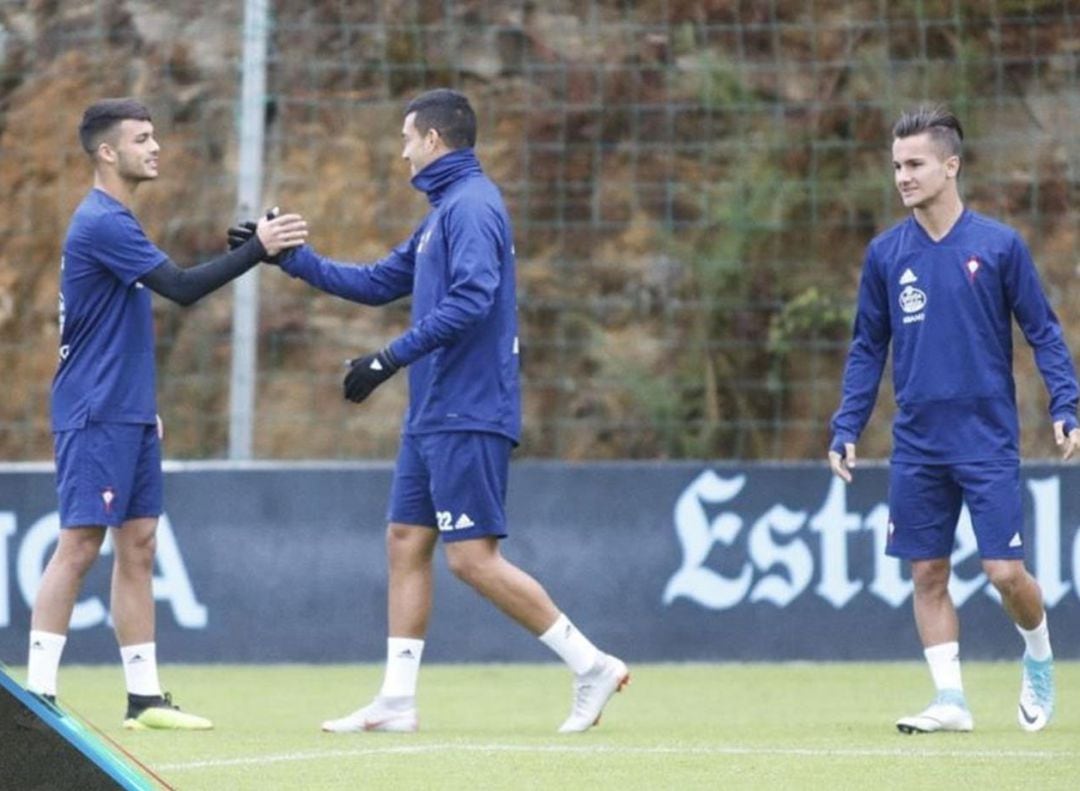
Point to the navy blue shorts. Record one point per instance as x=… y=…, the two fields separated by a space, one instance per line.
x=107 y=473
x=925 y=502
x=454 y=481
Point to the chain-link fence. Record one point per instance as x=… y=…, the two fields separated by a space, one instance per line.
x=692 y=184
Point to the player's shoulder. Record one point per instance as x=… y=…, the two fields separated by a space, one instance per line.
x=990 y=227
x=99 y=211
x=475 y=193
x=890 y=239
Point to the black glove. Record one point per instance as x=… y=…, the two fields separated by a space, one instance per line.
x=239 y=234
x=367 y=373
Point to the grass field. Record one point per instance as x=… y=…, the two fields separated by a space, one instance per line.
x=786 y=726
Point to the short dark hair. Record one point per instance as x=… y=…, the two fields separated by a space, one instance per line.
x=448 y=113
x=942 y=126
x=100 y=118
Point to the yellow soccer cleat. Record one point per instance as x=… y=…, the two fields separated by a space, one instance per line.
x=158 y=713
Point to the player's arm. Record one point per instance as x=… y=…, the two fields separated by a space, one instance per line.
x=368 y=284
x=1043 y=332
x=473 y=239
x=865 y=365
x=187 y=285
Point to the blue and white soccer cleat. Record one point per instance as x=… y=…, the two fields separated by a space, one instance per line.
x=948 y=712
x=1036 y=694
x=394 y=715
x=592 y=691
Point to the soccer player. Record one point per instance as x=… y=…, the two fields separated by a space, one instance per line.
x=942 y=287
x=104 y=413
x=464 y=412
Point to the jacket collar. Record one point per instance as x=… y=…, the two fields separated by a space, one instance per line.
x=437 y=177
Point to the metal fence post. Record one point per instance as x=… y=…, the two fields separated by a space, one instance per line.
x=249 y=195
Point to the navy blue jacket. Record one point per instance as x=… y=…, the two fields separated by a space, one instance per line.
x=458 y=265
x=947 y=309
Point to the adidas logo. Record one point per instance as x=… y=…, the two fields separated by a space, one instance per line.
x=136 y=659
x=907 y=277
x=464 y=522
x=376 y=365
x=37 y=646
x=406 y=654
x=1016 y=541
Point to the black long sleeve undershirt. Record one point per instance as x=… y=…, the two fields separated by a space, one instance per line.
x=186 y=286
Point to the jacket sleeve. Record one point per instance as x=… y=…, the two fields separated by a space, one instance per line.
x=472 y=230
x=866 y=357
x=1042 y=330
x=371 y=284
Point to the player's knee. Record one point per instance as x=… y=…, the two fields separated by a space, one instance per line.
x=137 y=555
x=77 y=561
x=1007 y=576
x=409 y=545
x=469 y=568
x=76 y=553
x=930 y=578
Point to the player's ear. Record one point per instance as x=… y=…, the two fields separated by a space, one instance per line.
x=433 y=138
x=105 y=153
x=952 y=166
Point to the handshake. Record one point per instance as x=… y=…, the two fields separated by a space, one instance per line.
x=277 y=233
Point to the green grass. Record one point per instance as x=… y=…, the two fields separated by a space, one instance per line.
x=761 y=726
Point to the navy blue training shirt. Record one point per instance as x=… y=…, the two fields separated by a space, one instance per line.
x=106 y=367
x=947 y=308
x=459 y=266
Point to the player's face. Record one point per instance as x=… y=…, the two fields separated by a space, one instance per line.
x=922 y=170
x=420 y=150
x=135 y=150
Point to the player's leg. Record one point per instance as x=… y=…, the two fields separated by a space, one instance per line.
x=469 y=475
x=992 y=491
x=410 y=543
x=139 y=500
x=409 y=551
x=76 y=550
x=924 y=504
x=479 y=563
x=84 y=500
x=1022 y=599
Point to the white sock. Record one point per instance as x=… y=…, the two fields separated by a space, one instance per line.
x=140 y=668
x=1037 y=641
x=571 y=645
x=44 y=661
x=403 y=656
x=944 y=661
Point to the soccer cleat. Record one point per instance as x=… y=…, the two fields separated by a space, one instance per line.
x=158 y=713
x=592 y=691
x=391 y=715
x=1036 y=694
x=948 y=712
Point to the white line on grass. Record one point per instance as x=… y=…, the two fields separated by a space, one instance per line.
x=318 y=755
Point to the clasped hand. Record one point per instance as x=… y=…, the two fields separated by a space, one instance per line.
x=277 y=233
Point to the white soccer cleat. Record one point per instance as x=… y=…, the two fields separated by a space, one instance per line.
x=948 y=712
x=1036 y=694
x=592 y=691
x=392 y=715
